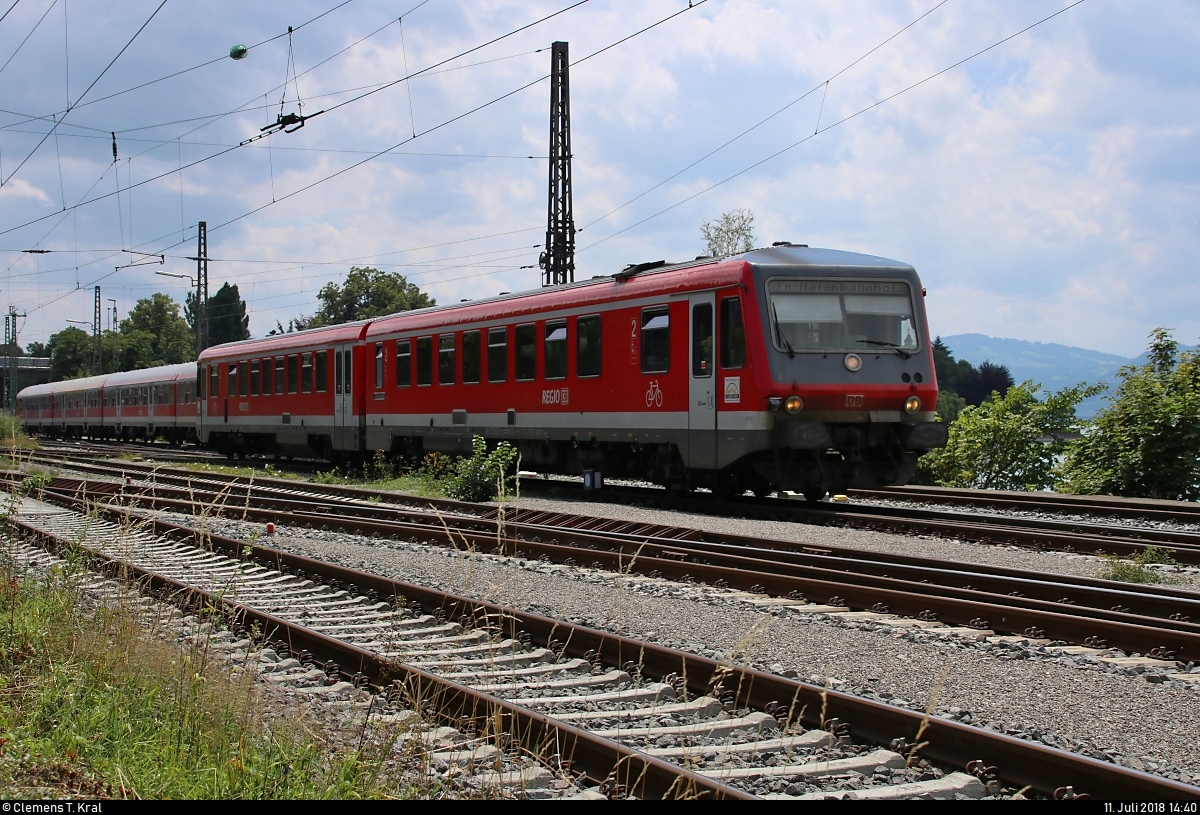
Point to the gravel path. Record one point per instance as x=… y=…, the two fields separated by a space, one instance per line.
x=1135 y=717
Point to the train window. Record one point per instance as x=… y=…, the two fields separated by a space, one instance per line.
x=733 y=334
x=446 y=359
x=497 y=354
x=201 y=381
x=293 y=373
x=306 y=373
x=268 y=367
x=425 y=360
x=843 y=315
x=403 y=363
x=232 y=381
x=554 y=352
x=347 y=370
x=470 y=355
x=702 y=340
x=243 y=378
x=587 y=346
x=656 y=340
x=526 y=341
x=255 y=376
x=214 y=381
x=379 y=365
x=279 y=381
x=322 y=364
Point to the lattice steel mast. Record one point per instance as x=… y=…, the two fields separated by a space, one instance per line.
x=558 y=259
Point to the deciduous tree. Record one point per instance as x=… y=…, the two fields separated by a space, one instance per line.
x=730 y=234
x=1009 y=442
x=366 y=293
x=155 y=333
x=1146 y=442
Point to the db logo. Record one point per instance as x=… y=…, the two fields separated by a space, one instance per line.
x=854 y=400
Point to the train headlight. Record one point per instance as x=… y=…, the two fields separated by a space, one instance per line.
x=853 y=362
x=912 y=404
x=794 y=404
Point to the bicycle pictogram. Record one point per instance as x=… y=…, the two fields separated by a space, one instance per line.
x=654 y=395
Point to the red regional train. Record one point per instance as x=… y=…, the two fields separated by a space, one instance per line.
x=786 y=368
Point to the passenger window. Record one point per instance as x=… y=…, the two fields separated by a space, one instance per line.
x=293 y=373
x=425 y=360
x=306 y=373
x=733 y=335
x=279 y=380
x=243 y=378
x=403 y=363
x=526 y=352
x=378 y=365
x=232 y=379
x=254 y=377
x=322 y=364
x=587 y=346
x=446 y=359
x=470 y=355
x=497 y=354
x=702 y=340
x=554 y=352
x=656 y=340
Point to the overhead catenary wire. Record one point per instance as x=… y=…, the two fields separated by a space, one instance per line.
x=85 y=93
x=838 y=123
x=422 y=133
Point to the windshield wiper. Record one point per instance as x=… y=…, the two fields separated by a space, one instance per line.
x=779 y=334
x=899 y=350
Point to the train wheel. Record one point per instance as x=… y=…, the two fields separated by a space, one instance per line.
x=814 y=494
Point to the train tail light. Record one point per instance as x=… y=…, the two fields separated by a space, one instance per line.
x=912 y=404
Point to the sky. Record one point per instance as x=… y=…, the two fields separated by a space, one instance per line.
x=1037 y=162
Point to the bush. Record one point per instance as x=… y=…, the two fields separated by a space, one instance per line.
x=1146 y=442
x=485 y=474
x=1133 y=570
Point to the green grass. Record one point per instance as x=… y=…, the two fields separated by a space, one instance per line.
x=92 y=705
x=12 y=435
x=1134 y=570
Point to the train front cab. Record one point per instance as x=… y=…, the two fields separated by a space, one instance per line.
x=852 y=392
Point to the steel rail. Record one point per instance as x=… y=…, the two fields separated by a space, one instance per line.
x=643 y=776
x=1017 y=762
x=1163 y=637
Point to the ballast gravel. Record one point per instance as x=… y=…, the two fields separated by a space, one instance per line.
x=1136 y=717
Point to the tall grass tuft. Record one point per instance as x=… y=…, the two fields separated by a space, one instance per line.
x=92 y=704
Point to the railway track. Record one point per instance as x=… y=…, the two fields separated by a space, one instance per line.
x=1162 y=622
x=624 y=716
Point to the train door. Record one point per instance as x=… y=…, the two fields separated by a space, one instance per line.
x=345 y=426
x=702 y=401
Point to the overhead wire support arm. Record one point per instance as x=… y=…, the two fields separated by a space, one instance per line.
x=162 y=259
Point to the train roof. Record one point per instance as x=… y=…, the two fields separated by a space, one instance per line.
x=642 y=279
x=162 y=373
x=145 y=376
x=264 y=346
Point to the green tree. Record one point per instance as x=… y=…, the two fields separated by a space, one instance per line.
x=155 y=333
x=70 y=354
x=730 y=234
x=366 y=293
x=226 y=315
x=973 y=384
x=37 y=349
x=1146 y=442
x=1009 y=442
x=949 y=405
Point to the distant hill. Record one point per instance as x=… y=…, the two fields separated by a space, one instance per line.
x=1054 y=366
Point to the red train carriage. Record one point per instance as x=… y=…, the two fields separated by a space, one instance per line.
x=293 y=393
x=785 y=368
x=148 y=404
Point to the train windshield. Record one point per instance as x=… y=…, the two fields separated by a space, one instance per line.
x=841 y=315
